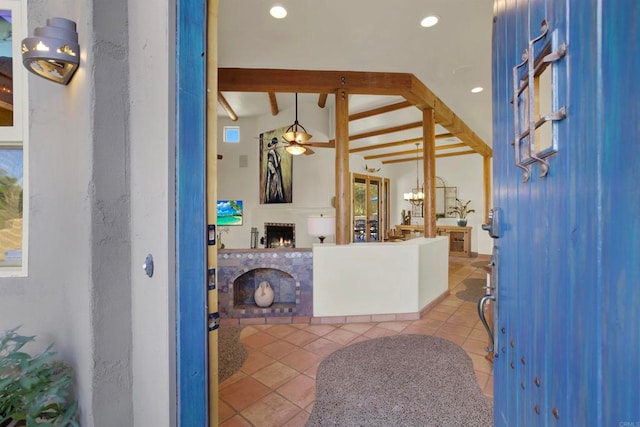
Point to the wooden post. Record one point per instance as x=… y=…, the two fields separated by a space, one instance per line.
x=343 y=183
x=486 y=166
x=429 y=162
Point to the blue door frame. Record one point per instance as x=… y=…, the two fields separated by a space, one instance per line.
x=568 y=322
x=191 y=314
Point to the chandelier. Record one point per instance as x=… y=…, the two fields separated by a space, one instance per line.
x=416 y=196
x=296 y=135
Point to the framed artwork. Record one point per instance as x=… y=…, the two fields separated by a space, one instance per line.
x=275 y=168
x=229 y=212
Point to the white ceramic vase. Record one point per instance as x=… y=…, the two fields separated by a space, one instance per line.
x=264 y=295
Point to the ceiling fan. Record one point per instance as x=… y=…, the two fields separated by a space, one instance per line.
x=295 y=148
x=295 y=139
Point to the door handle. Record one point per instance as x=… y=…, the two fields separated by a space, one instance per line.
x=481 y=302
x=493 y=225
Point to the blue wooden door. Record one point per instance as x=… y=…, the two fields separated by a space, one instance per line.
x=191 y=244
x=566 y=97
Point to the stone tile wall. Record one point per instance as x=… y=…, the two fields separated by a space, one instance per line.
x=254 y=266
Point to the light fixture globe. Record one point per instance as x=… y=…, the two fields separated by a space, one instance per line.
x=53 y=52
x=295 y=149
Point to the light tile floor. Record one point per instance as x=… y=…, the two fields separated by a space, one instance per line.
x=276 y=384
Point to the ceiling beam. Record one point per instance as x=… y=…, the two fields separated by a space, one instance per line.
x=358 y=83
x=223 y=102
x=409 y=159
x=306 y=81
x=422 y=97
x=385 y=145
x=448 y=146
x=396 y=143
x=392 y=129
x=380 y=110
x=455 y=153
x=273 y=102
x=395 y=153
x=322 y=100
x=402 y=153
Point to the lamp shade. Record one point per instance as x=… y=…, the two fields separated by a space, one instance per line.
x=53 y=51
x=321 y=226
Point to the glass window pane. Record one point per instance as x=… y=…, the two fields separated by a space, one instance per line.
x=11 y=186
x=359 y=209
x=232 y=134
x=374 y=194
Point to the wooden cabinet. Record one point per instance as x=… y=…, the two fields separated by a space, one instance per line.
x=459 y=239
x=410 y=231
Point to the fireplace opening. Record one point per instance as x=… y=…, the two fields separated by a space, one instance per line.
x=282 y=283
x=279 y=235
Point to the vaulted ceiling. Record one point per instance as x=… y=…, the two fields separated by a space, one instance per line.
x=447 y=60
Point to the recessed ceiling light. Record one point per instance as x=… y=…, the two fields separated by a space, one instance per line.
x=429 y=21
x=278 y=12
x=477 y=89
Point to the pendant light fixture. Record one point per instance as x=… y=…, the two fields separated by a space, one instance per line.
x=416 y=196
x=296 y=135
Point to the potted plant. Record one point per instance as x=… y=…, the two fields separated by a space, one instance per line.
x=34 y=390
x=461 y=210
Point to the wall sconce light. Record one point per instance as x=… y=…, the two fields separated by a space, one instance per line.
x=53 y=52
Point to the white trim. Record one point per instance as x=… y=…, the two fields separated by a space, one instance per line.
x=17 y=135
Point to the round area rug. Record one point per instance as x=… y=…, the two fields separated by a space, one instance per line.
x=405 y=380
x=475 y=289
x=231 y=352
x=482 y=264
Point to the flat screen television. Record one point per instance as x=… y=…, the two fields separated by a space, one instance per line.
x=229 y=212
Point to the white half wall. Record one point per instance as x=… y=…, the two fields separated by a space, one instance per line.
x=379 y=278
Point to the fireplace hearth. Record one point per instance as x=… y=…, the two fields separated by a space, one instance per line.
x=283 y=285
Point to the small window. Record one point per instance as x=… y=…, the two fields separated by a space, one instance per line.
x=232 y=134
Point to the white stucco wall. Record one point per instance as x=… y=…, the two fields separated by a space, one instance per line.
x=314 y=181
x=54 y=302
x=398 y=278
x=85 y=288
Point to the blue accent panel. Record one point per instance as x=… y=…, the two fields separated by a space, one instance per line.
x=569 y=270
x=191 y=214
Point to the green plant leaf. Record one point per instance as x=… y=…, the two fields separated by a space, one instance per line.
x=68 y=415
x=34 y=389
x=18 y=356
